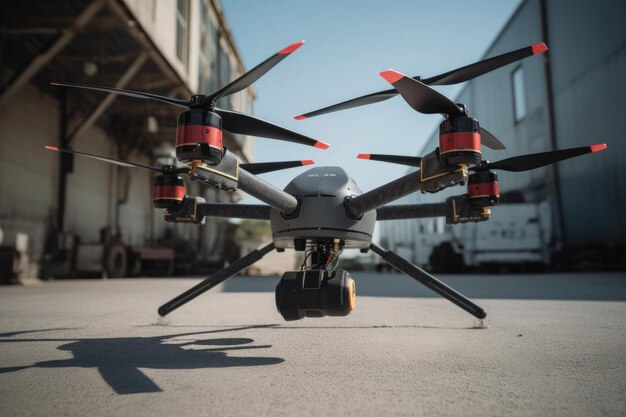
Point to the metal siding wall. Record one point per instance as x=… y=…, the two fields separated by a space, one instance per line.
x=28 y=172
x=89 y=187
x=136 y=213
x=588 y=41
x=493 y=97
x=490 y=100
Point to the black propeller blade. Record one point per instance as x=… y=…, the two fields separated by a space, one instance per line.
x=136 y=94
x=420 y=96
x=239 y=84
x=538 y=160
x=412 y=161
x=490 y=141
x=263 y=167
x=479 y=68
x=253 y=168
x=249 y=125
x=232 y=121
x=355 y=102
x=424 y=99
x=451 y=77
x=247 y=79
x=167 y=169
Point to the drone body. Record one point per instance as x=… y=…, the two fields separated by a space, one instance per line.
x=322 y=211
x=322 y=215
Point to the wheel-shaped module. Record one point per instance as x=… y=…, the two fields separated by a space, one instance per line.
x=315 y=293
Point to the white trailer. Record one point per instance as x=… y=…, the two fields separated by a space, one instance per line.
x=515 y=234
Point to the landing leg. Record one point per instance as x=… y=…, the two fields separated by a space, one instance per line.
x=428 y=280
x=215 y=279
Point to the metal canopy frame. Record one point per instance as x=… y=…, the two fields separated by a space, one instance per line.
x=46 y=41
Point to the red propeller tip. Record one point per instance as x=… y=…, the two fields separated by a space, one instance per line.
x=321 y=145
x=391 y=76
x=301 y=117
x=599 y=147
x=307 y=162
x=363 y=156
x=52 y=148
x=539 y=48
x=291 y=48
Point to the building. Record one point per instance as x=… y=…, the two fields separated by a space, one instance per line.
x=72 y=211
x=572 y=96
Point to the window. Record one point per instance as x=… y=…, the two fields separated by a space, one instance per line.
x=213 y=83
x=519 y=98
x=203 y=56
x=207 y=74
x=225 y=77
x=439 y=225
x=182 y=16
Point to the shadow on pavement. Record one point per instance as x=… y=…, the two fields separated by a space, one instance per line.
x=118 y=359
x=574 y=286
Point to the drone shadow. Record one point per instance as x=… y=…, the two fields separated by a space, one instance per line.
x=118 y=360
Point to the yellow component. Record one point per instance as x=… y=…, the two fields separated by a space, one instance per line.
x=351 y=294
x=461 y=168
x=457 y=218
x=197 y=164
x=191 y=218
x=460 y=149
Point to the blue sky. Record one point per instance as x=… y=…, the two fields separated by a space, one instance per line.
x=348 y=42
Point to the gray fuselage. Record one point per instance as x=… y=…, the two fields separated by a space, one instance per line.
x=322 y=214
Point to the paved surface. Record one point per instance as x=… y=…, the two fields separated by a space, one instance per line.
x=94 y=348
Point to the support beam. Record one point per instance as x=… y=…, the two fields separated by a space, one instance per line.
x=429 y=281
x=137 y=33
x=29 y=31
x=66 y=163
x=215 y=279
x=108 y=100
x=41 y=60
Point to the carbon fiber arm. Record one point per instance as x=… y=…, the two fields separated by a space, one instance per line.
x=384 y=194
x=229 y=176
x=238 y=211
x=412 y=211
x=456 y=209
x=431 y=178
x=267 y=193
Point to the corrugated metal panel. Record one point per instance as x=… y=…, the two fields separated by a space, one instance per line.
x=28 y=172
x=89 y=187
x=588 y=64
x=588 y=56
x=136 y=213
x=493 y=97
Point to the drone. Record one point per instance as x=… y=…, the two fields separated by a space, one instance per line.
x=322 y=211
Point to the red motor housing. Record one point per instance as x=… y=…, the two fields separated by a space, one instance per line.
x=199 y=136
x=459 y=141
x=483 y=189
x=169 y=191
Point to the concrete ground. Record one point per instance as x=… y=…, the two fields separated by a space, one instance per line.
x=555 y=345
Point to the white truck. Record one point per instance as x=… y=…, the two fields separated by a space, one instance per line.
x=515 y=234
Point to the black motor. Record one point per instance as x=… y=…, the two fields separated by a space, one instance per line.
x=315 y=293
